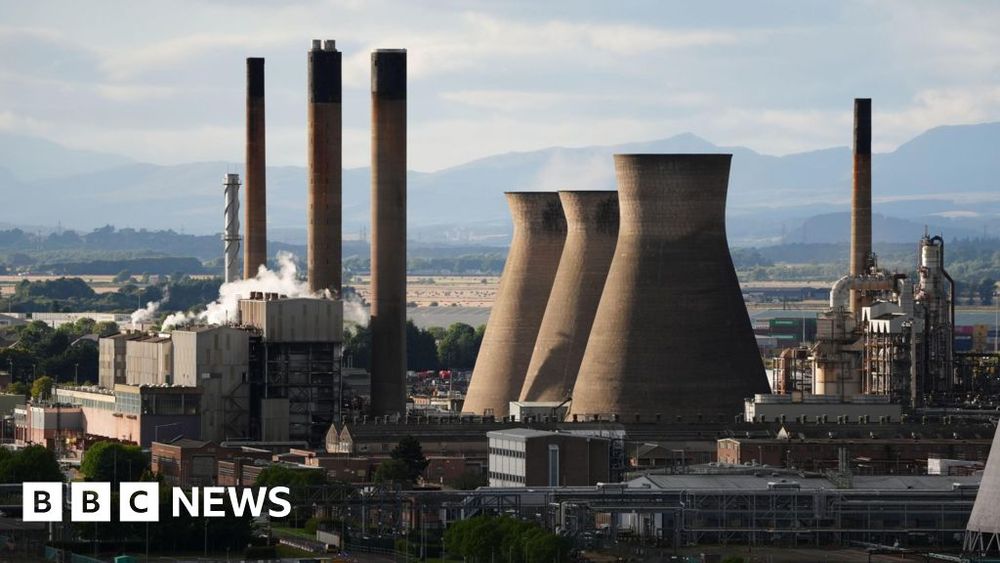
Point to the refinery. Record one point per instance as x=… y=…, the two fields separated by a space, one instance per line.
x=624 y=399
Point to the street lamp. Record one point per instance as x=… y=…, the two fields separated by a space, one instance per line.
x=76 y=375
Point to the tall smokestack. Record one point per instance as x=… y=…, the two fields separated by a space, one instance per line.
x=505 y=354
x=388 y=243
x=861 y=200
x=592 y=231
x=255 y=246
x=671 y=335
x=231 y=234
x=325 y=150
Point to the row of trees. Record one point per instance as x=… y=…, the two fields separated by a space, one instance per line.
x=455 y=347
x=490 y=538
x=59 y=353
x=180 y=293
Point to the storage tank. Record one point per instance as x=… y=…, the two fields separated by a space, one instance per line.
x=672 y=335
x=539 y=235
x=592 y=231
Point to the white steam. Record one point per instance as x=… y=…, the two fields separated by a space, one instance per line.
x=146 y=315
x=354 y=309
x=226 y=308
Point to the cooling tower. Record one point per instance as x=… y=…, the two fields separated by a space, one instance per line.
x=325 y=152
x=672 y=335
x=388 y=246
x=255 y=241
x=592 y=231
x=982 y=534
x=539 y=235
x=861 y=200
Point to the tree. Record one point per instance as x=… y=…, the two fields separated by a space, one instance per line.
x=393 y=471
x=113 y=462
x=468 y=481
x=41 y=389
x=409 y=452
x=421 y=349
x=457 y=349
x=33 y=463
x=122 y=276
x=357 y=346
x=17 y=388
x=106 y=328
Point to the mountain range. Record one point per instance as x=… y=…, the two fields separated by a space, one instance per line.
x=945 y=180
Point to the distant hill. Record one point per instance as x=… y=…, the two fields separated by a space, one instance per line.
x=947 y=176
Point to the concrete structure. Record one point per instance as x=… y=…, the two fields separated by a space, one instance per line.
x=388 y=243
x=861 y=200
x=982 y=534
x=525 y=285
x=300 y=319
x=540 y=411
x=231 y=231
x=523 y=457
x=796 y=405
x=56 y=320
x=294 y=365
x=255 y=244
x=592 y=232
x=188 y=463
x=111 y=362
x=216 y=359
x=672 y=335
x=149 y=360
x=325 y=170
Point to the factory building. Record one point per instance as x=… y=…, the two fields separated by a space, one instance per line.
x=524 y=457
x=215 y=359
x=294 y=365
x=77 y=416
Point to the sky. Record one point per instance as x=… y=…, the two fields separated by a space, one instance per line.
x=163 y=82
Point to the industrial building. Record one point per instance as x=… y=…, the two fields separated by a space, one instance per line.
x=524 y=457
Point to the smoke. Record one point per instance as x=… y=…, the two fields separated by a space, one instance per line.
x=145 y=315
x=354 y=309
x=225 y=309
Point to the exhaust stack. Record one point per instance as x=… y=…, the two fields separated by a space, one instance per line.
x=388 y=242
x=539 y=235
x=255 y=248
x=592 y=231
x=671 y=335
x=231 y=234
x=325 y=153
x=861 y=200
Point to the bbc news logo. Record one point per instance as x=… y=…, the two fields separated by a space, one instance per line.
x=140 y=502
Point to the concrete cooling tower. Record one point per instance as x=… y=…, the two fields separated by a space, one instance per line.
x=982 y=534
x=672 y=336
x=539 y=234
x=592 y=231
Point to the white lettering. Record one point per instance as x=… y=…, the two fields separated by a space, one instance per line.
x=247 y=498
x=278 y=495
x=178 y=498
x=212 y=497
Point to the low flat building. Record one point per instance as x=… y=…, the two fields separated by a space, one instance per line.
x=524 y=457
x=185 y=462
x=866 y=455
x=771 y=408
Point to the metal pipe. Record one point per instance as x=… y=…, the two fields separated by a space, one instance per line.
x=231 y=234
x=255 y=249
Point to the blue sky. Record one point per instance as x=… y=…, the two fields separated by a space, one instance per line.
x=163 y=81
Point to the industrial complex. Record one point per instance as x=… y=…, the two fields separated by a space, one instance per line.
x=620 y=396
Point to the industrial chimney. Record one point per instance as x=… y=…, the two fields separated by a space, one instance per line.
x=525 y=285
x=671 y=334
x=388 y=243
x=861 y=200
x=592 y=231
x=255 y=247
x=231 y=234
x=325 y=150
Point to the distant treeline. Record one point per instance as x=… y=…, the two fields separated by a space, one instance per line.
x=488 y=263
x=75 y=295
